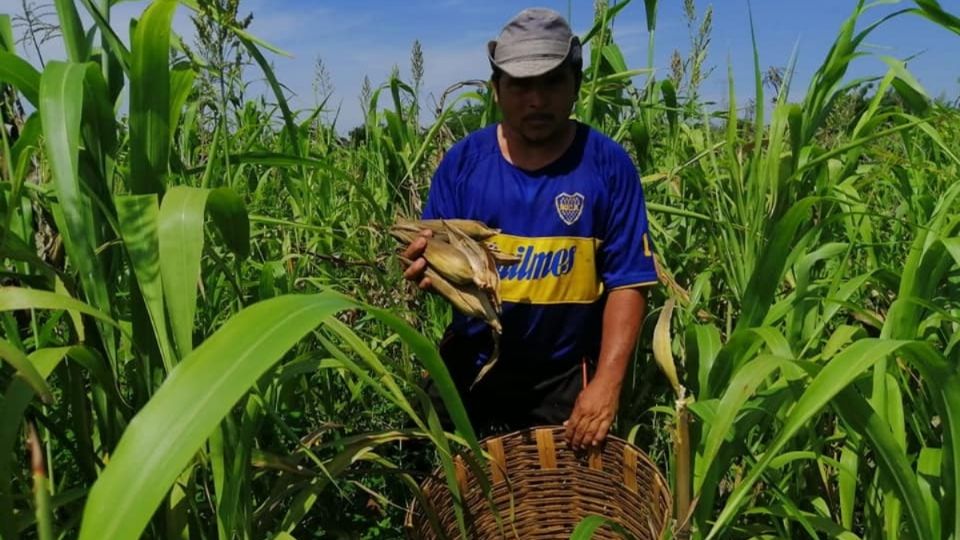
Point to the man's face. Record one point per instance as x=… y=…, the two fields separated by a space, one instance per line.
x=537 y=108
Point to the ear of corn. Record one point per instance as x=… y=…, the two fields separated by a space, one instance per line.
x=450 y=261
x=483 y=272
x=462 y=269
x=476 y=230
x=501 y=258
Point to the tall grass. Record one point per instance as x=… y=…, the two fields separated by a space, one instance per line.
x=204 y=332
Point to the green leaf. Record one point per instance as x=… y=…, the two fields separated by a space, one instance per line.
x=850 y=459
x=16 y=358
x=138 y=218
x=943 y=377
x=99 y=123
x=181 y=83
x=24 y=77
x=589 y=525
x=670 y=101
x=117 y=47
x=891 y=457
x=150 y=98
x=770 y=267
x=230 y=217
x=15 y=402
x=289 y=124
x=180 y=236
x=743 y=385
x=908 y=87
x=61 y=105
x=928 y=477
x=650 y=8
x=7 y=43
x=703 y=345
x=29 y=137
x=198 y=393
x=165 y=435
x=71 y=29
x=932 y=10
x=832 y=379
x=15 y=298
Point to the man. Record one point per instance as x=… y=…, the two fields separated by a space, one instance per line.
x=569 y=202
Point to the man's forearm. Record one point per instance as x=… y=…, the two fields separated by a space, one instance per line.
x=622 y=317
x=597 y=404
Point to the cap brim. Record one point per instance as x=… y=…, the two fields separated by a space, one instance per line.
x=528 y=67
x=519 y=69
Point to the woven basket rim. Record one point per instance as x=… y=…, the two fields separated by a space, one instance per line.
x=659 y=493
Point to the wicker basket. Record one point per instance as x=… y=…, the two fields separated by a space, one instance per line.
x=542 y=490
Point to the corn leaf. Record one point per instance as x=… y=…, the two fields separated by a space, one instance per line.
x=181 y=84
x=138 y=217
x=703 y=345
x=117 y=48
x=19 y=73
x=858 y=414
x=18 y=359
x=170 y=428
x=766 y=276
x=589 y=526
x=74 y=36
x=7 y=43
x=180 y=233
x=742 y=386
x=932 y=10
x=61 y=105
x=928 y=477
x=832 y=379
x=17 y=398
x=150 y=99
x=15 y=298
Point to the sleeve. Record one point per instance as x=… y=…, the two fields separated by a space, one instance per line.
x=626 y=251
x=441 y=201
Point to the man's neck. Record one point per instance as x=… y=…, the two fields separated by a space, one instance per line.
x=527 y=156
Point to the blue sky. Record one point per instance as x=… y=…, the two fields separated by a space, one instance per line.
x=368 y=37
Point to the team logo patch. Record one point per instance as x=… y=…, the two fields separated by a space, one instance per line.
x=569 y=207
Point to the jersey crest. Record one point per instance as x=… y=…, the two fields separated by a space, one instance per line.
x=569 y=206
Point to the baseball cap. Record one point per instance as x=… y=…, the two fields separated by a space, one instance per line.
x=532 y=43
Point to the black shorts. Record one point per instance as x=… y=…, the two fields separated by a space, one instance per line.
x=515 y=394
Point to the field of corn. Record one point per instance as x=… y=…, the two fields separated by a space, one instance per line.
x=204 y=330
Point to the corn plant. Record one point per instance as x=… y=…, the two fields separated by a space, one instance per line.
x=203 y=332
x=822 y=393
x=150 y=352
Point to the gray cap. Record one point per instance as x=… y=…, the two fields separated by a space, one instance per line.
x=534 y=42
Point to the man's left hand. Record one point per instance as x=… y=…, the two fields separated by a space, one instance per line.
x=593 y=414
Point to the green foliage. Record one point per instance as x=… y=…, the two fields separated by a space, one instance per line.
x=175 y=325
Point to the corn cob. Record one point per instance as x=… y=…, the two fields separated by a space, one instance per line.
x=469 y=300
x=500 y=257
x=476 y=230
x=476 y=256
x=462 y=268
x=449 y=261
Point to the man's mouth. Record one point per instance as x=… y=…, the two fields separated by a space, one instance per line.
x=539 y=119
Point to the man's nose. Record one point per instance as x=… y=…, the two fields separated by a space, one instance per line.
x=537 y=97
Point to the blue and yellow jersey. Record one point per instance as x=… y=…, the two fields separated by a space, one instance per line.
x=579 y=226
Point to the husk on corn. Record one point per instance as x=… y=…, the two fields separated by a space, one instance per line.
x=462 y=268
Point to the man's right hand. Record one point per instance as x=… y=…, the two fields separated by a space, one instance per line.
x=414 y=252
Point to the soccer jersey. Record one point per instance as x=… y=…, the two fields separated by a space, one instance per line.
x=579 y=226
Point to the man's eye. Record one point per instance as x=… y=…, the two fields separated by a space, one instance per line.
x=553 y=80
